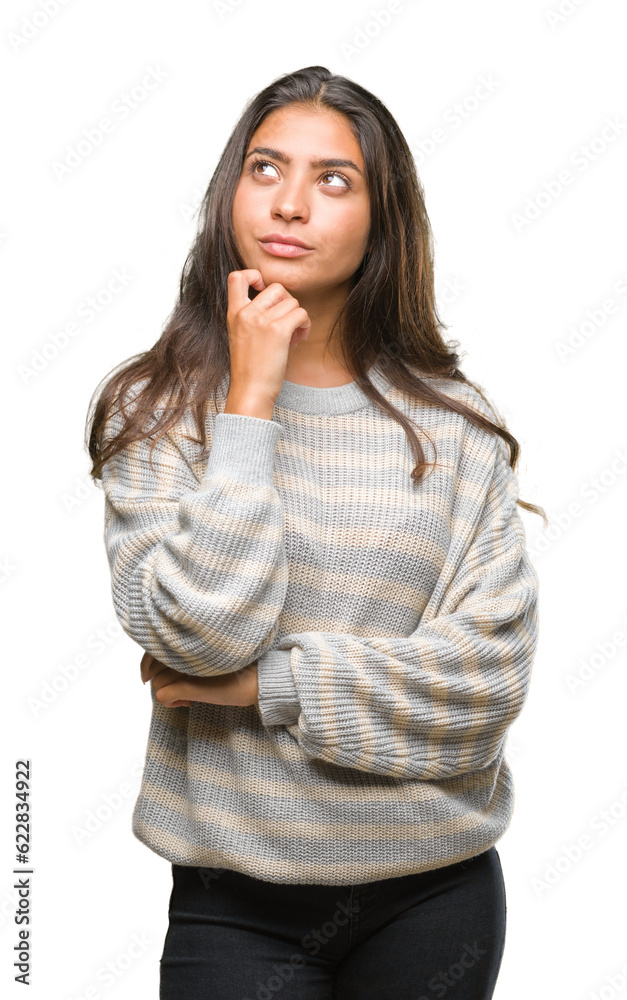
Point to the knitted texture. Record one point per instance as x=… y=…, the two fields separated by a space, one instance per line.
x=394 y=624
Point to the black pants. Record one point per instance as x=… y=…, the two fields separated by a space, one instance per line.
x=436 y=934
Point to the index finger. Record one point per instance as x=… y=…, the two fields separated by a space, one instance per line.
x=238 y=283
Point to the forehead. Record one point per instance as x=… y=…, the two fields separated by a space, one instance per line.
x=307 y=134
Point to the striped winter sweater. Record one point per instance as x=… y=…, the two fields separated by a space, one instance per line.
x=394 y=624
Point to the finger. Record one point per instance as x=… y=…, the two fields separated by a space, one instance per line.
x=172 y=694
x=162 y=678
x=165 y=697
x=238 y=283
x=146 y=660
x=156 y=668
x=178 y=703
x=276 y=301
x=299 y=334
x=283 y=304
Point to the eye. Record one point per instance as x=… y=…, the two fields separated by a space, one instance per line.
x=329 y=173
x=257 y=163
x=335 y=173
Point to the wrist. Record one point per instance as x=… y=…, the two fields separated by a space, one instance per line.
x=248 y=404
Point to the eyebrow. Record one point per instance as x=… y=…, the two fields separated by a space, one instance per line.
x=278 y=154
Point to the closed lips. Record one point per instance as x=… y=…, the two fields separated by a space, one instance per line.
x=277 y=238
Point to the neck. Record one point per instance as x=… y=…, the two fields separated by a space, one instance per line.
x=314 y=354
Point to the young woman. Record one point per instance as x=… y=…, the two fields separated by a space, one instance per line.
x=313 y=532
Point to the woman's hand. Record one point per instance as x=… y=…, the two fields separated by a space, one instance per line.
x=261 y=332
x=174 y=689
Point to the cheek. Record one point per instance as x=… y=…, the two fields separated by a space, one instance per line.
x=348 y=244
x=347 y=233
x=242 y=211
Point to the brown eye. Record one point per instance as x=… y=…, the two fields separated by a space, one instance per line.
x=258 y=163
x=330 y=173
x=335 y=173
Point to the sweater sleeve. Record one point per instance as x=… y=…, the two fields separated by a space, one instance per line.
x=198 y=569
x=438 y=702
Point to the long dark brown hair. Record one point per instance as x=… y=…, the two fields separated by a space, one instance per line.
x=389 y=317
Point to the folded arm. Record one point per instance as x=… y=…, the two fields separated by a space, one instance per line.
x=438 y=702
x=198 y=569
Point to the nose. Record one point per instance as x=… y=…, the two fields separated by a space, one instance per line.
x=290 y=201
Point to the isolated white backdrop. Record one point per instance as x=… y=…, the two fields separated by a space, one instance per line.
x=525 y=188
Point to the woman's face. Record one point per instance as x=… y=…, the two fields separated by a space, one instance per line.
x=327 y=207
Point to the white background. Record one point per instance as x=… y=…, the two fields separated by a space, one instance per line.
x=532 y=318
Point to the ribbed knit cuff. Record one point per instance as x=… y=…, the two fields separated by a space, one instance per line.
x=243 y=448
x=277 y=694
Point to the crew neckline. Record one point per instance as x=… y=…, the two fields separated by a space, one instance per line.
x=329 y=399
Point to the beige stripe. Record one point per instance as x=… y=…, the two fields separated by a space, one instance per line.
x=418 y=831
x=171 y=847
x=397 y=792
